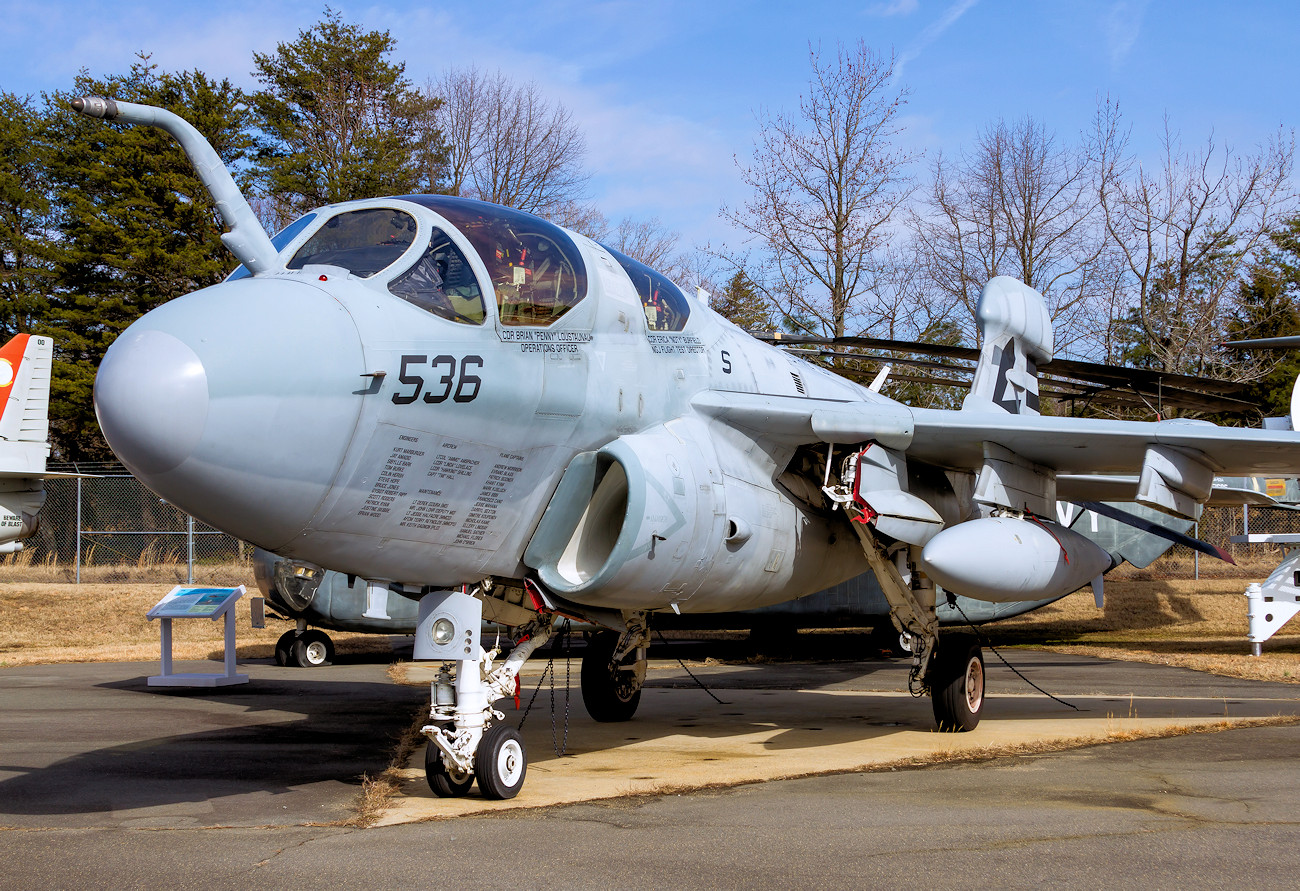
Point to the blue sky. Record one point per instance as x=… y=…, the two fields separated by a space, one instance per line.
x=666 y=92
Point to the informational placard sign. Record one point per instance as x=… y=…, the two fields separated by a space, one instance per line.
x=197 y=603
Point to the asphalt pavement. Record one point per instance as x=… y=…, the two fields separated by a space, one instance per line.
x=105 y=781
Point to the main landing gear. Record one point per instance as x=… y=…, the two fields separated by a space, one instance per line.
x=956 y=681
x=304 y=648
x=613 y=672
x=950 y=669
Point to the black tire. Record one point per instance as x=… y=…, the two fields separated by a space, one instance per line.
x=313 y=649
x=443 y=784
x=501 y=762
x=957 y=685
x=284 y=648
x=605 y=691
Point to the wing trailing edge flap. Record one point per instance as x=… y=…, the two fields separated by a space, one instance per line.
x=1105 y=487
x=1151 y=527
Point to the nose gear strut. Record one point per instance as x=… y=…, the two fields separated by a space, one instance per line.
x=467 y=732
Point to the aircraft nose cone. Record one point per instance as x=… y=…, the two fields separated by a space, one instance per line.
x=237 y=403
x=150 y=381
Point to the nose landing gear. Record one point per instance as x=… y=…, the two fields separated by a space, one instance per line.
x=468 y=740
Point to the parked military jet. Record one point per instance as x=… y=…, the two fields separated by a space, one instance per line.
x=24 y=428
x=501 y=418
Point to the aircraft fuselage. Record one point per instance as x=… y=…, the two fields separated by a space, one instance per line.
x=320 y=415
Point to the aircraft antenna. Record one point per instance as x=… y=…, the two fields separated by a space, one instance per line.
x=246 y=239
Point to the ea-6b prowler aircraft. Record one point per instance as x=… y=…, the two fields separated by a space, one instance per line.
x=468 y=406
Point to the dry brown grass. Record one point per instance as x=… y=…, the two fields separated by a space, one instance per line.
x=1195 y=624
x=105 y=622
x=1254 y=563
x=149 y=568
x=1191 y=624
x=376 y=792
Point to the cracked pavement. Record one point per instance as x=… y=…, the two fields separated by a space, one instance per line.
x=1188 y=812
x=103 y=782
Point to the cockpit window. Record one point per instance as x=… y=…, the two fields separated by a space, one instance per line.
x=666 y=307
x=442 y=282
x=536 y=270
x=363 y=242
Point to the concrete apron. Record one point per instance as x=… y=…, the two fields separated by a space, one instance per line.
x=681 y=740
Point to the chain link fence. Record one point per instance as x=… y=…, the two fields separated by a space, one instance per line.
x=106 y=526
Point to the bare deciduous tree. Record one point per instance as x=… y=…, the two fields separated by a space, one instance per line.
x=508 y=144
x=826 y=183
x=1185 y=231
x=1018 y=204
x=648 y=241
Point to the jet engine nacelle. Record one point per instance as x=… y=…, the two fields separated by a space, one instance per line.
x=655 y=511
x=1003 y=559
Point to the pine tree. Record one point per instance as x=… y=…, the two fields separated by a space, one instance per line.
x=340 y=121
x=742 y=303
x=24 y=218
x=134 y=225
x=1269 y=306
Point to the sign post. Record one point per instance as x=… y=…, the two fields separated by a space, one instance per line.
x=197 y=603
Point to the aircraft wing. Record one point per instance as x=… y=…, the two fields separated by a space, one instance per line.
x=1062 y=379
x=955 y=439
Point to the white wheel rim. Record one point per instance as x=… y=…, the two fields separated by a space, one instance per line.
x=315 y=652
x=974 y=685
x=510 y=762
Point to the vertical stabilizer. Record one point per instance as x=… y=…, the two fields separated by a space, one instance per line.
x=24 y=426
x=1016 y=333
x=24 y=403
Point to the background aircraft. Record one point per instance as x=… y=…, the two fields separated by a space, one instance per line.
x=503 y=419
x=24 y=430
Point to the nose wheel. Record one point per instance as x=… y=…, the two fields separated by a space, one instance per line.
x=500 y=762
x=442 y=781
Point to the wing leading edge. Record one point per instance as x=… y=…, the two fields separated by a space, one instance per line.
x=956 y=440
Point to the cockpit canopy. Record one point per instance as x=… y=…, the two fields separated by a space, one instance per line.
x=666 y=307
x=535 y=270
x=364 y=242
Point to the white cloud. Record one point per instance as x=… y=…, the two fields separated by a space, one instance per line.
x=930 y=34
x=1122 y=24
x=893 y=7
